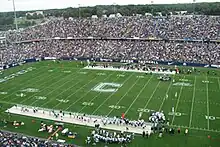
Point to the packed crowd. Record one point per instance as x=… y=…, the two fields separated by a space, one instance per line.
x=194 y=27
x=125 y=121
x=101 y=135
x=157 y=117
x=175 y=27
x=12 y=139
x=194 y=52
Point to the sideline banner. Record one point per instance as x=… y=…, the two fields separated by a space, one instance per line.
x=112 y=60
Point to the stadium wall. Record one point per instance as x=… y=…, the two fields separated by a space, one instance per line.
x=114 y=60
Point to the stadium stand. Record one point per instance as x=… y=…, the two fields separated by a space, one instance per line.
x=185 y=39
x=15 y=139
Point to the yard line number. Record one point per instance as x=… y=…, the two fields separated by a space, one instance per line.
x=211 y=117
x=87 y=103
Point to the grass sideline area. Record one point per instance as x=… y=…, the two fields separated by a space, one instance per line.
x=67 y=86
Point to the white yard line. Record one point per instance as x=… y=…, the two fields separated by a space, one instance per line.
x=193 y=100
x=218 y=84
x=50 y=86
x=123 y=96
x=56 y=89
x=155 y=89
x=32 y=76
x=168 y=89
x=142 y=89
x=72 y=93
x=96 y=96
x=87 y=92
x=178 y=100
x=31 y=84
x=195 y=128
x=109 y=96
x=207 y=96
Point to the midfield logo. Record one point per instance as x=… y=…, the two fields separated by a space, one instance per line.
x=105 y=87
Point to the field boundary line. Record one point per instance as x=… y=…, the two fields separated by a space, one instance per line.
x=87 y=92
x=152 y=94
x=23 y=74
x=75 y=91
x=24 y=82
x=28 y=83
x=193 y=100
x=177 y=103
x=207 y=96
x=46 y=87
x=110 y=95
x=168 y=89
x=140 y=92
x=96 y=96
x=58 y=86
x=193 y=128
x=112 y=109
x=189 y=101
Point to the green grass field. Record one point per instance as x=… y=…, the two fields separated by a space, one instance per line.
x=67 y=86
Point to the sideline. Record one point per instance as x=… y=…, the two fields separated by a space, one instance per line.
x=75 y=118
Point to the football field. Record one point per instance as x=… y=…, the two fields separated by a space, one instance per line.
x=67 y=86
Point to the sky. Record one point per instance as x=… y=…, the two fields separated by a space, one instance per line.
x=23 y=5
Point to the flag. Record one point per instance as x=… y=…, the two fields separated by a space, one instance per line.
x=122 y=115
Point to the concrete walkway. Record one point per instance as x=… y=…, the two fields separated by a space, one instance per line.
x=75 y=118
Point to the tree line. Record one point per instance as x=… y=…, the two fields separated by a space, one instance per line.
x=7 y=18
x=129 y=10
